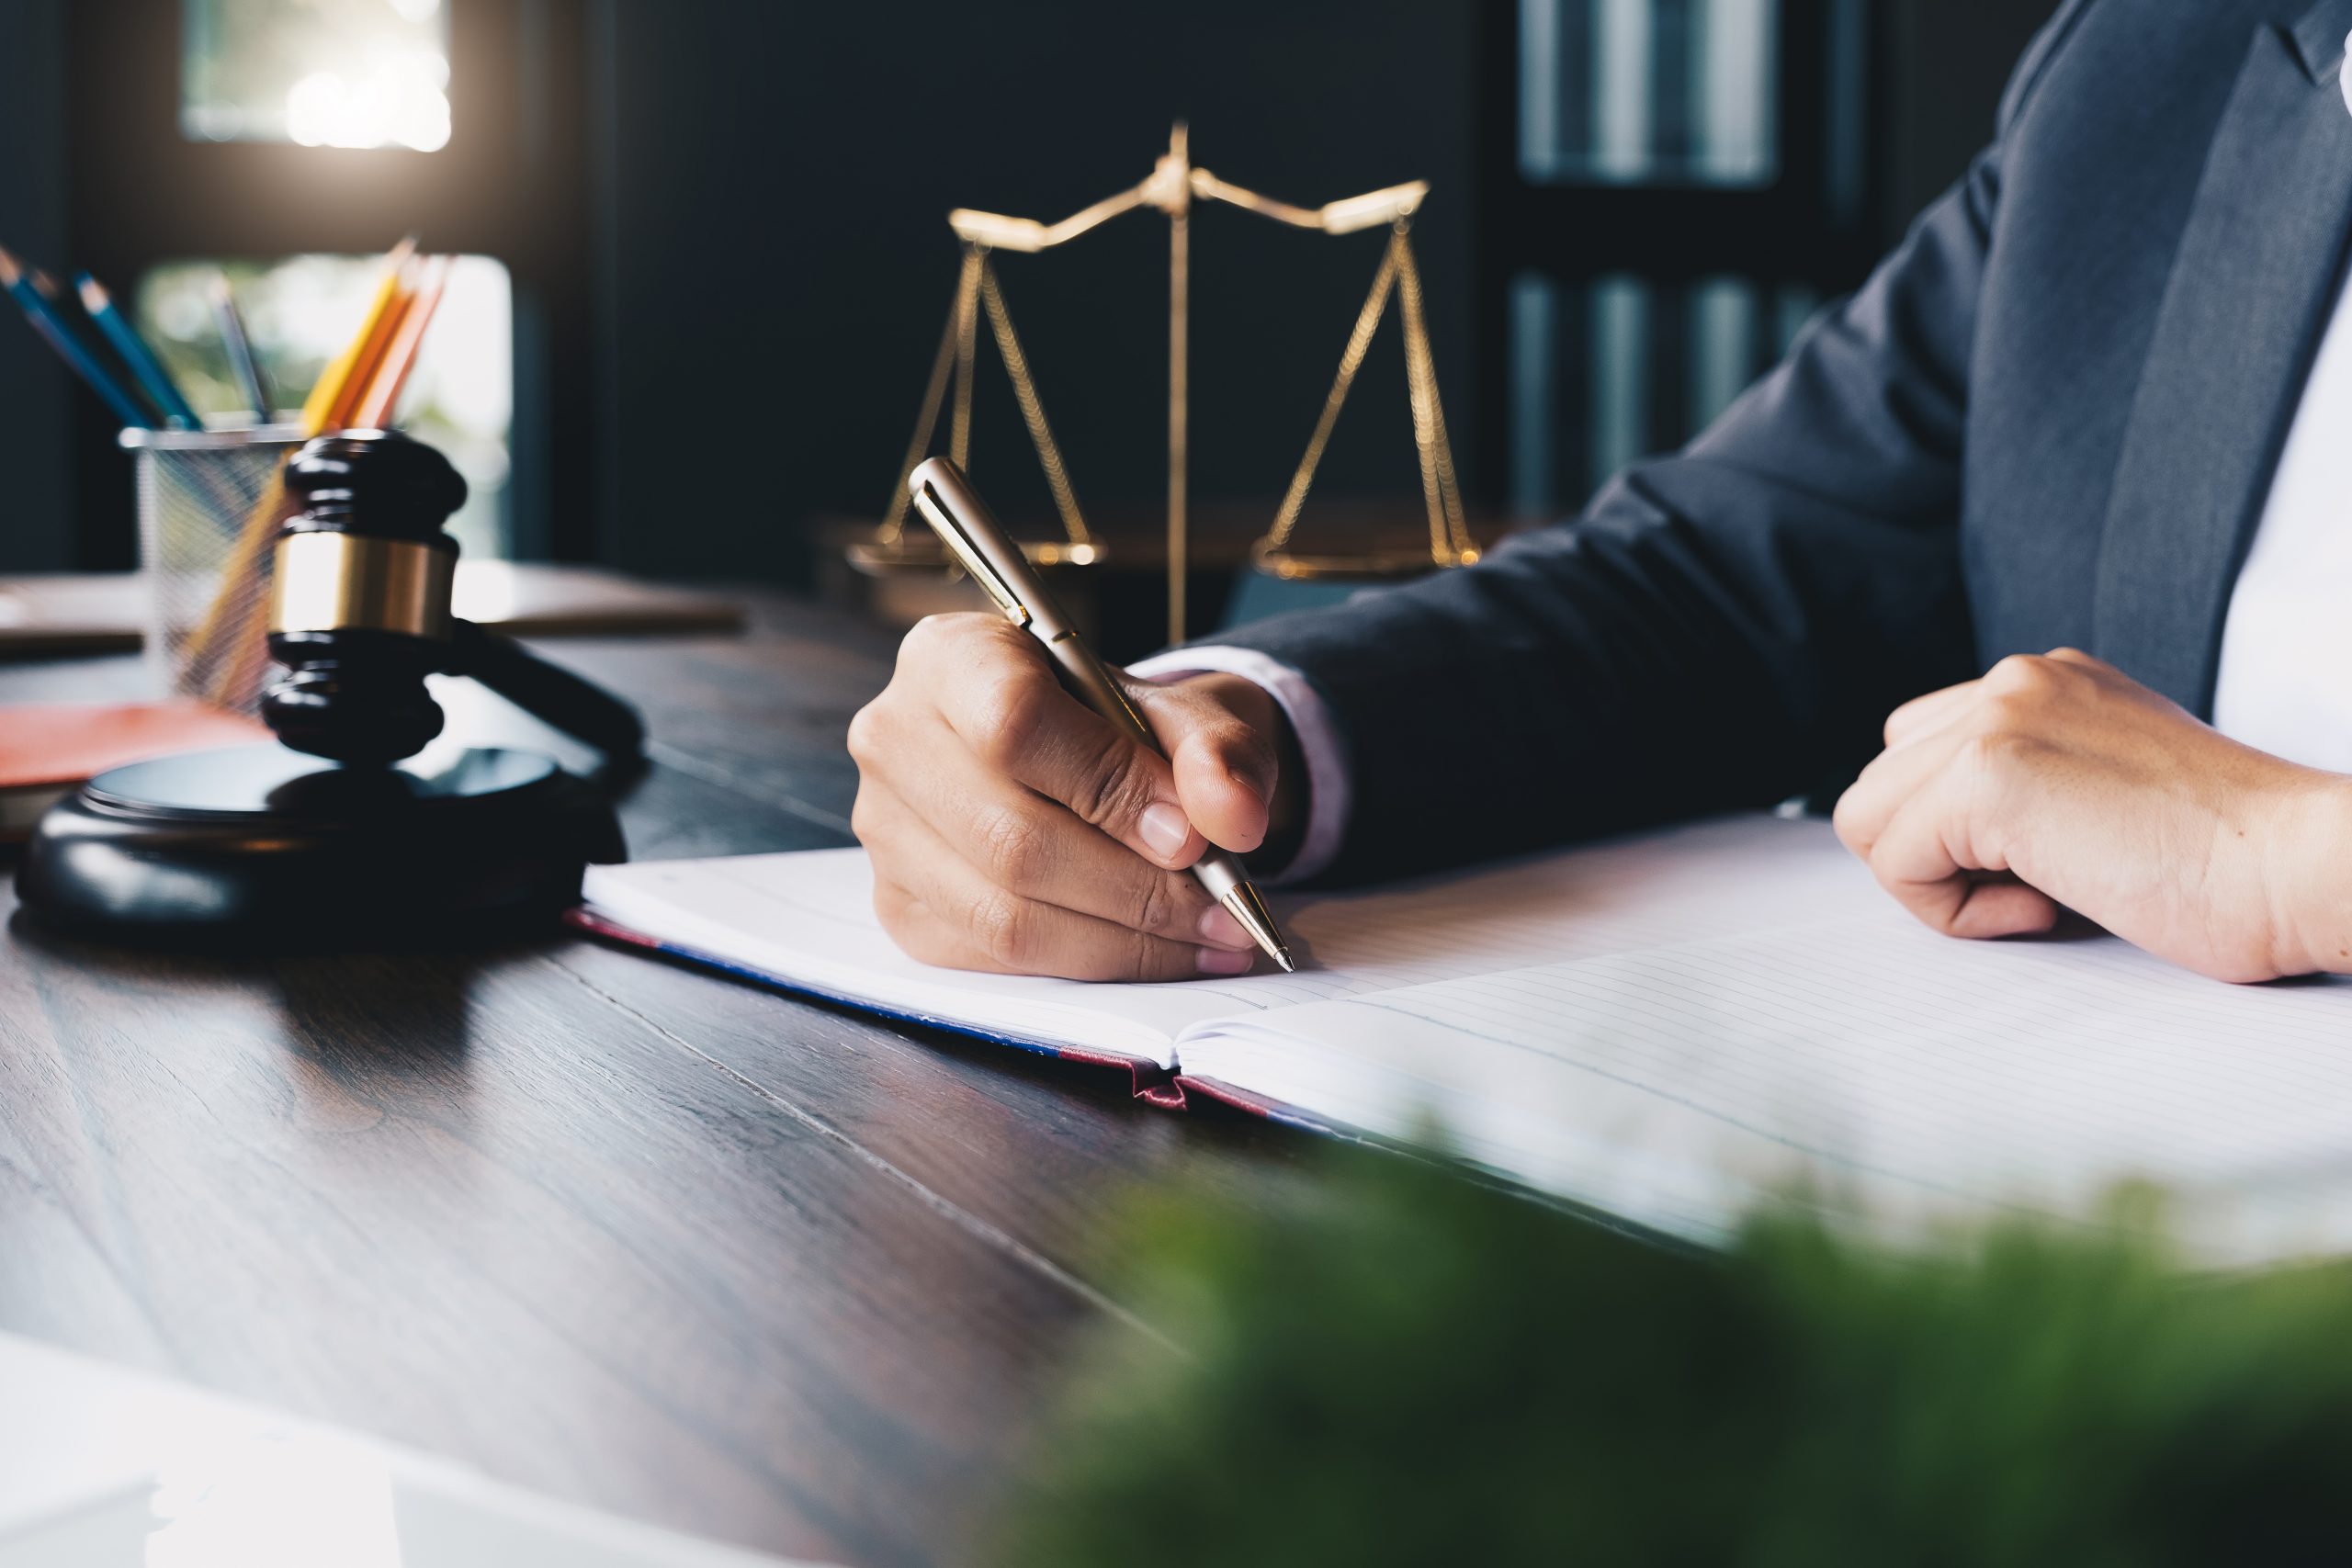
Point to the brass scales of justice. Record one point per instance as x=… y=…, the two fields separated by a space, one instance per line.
x=1175 y=185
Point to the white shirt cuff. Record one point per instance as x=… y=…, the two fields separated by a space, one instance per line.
x=1310 y=721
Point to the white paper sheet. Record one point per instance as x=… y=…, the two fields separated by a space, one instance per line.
x=1676 y=1027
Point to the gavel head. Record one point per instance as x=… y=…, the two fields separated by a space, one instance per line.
x=359 y=596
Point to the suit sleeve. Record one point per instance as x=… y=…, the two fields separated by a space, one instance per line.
x=1721 y=629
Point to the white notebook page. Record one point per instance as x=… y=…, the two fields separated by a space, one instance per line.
x=807 y=919
x=1903 y=1076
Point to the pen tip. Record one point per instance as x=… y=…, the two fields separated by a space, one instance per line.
x=93 y=294
x=1282 y=956
x=10 y=270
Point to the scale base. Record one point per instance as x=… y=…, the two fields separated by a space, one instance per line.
x=263 y=847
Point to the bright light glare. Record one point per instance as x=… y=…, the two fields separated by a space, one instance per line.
x=400 y=101
x=319 y=73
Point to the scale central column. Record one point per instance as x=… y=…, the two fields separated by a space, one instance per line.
x=1178 y=290
x=1173 y=180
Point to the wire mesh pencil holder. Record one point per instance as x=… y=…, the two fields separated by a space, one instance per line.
x=204 y=552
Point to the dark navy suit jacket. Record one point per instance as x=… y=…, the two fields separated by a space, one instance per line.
x=2048 y=419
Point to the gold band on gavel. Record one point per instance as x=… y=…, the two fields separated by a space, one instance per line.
x=325 y=582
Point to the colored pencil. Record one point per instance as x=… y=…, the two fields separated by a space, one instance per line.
x=240 y=346
x=333 y=389
x=41 y=309
x=369 y=365
x=383 y=398
x=161 y=388
x=375 y=355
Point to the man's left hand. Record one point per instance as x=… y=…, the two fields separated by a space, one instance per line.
x=2059 y=782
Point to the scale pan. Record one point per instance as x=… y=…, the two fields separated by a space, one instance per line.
x=1379 y=566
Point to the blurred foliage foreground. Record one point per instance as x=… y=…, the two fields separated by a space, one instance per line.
x=1396 y=1365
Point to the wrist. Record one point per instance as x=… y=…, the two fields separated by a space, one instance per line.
x=2311 y=857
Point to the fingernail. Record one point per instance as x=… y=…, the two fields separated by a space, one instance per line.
x=1217 y=961
x=1217 y=925
x=1164 y=828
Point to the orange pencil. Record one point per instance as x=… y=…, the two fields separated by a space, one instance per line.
x=383 y=398
x=368 y=361
x=334 y=384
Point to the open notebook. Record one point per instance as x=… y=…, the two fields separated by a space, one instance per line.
x=1668 y=1028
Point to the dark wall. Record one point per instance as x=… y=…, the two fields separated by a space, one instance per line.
x=1947 y=60
x=36 y=513
x=782 y=178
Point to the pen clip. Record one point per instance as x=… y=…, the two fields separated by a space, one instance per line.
x=975 y=565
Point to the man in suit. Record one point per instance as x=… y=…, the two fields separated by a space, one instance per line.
x=2099 y=400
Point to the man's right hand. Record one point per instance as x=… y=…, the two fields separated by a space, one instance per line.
x=1012 y=830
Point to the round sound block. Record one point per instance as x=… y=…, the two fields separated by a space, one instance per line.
x=260 y=845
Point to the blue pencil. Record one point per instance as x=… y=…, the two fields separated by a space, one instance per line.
x=240 y=344
x=48 y=321
x=161 y=388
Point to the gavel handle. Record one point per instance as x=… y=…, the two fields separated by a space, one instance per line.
x=546 y=692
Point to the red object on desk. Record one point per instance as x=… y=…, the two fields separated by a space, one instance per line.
x=46 y=749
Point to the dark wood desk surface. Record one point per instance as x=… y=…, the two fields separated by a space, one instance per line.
x=605 y=1227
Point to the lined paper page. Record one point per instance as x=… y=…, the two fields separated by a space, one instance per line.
x=1706 y=879
x=807 y=919
x=1896 y=1073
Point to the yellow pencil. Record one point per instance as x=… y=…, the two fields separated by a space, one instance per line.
x=369 y=367
x=375 y=410
x=336 y=380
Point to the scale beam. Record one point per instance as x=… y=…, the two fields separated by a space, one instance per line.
x=1349 y=215
x=1001 y=232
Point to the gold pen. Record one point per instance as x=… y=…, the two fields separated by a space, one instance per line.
x=972 y=535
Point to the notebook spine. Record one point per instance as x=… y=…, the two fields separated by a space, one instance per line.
x=1148 y=1082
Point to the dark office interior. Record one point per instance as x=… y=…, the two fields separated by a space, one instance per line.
x=723 y=227
x=555 y=1009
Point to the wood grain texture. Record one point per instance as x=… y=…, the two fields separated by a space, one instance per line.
x=605 y=1226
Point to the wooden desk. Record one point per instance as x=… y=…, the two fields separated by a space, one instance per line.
x=607 y=1228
